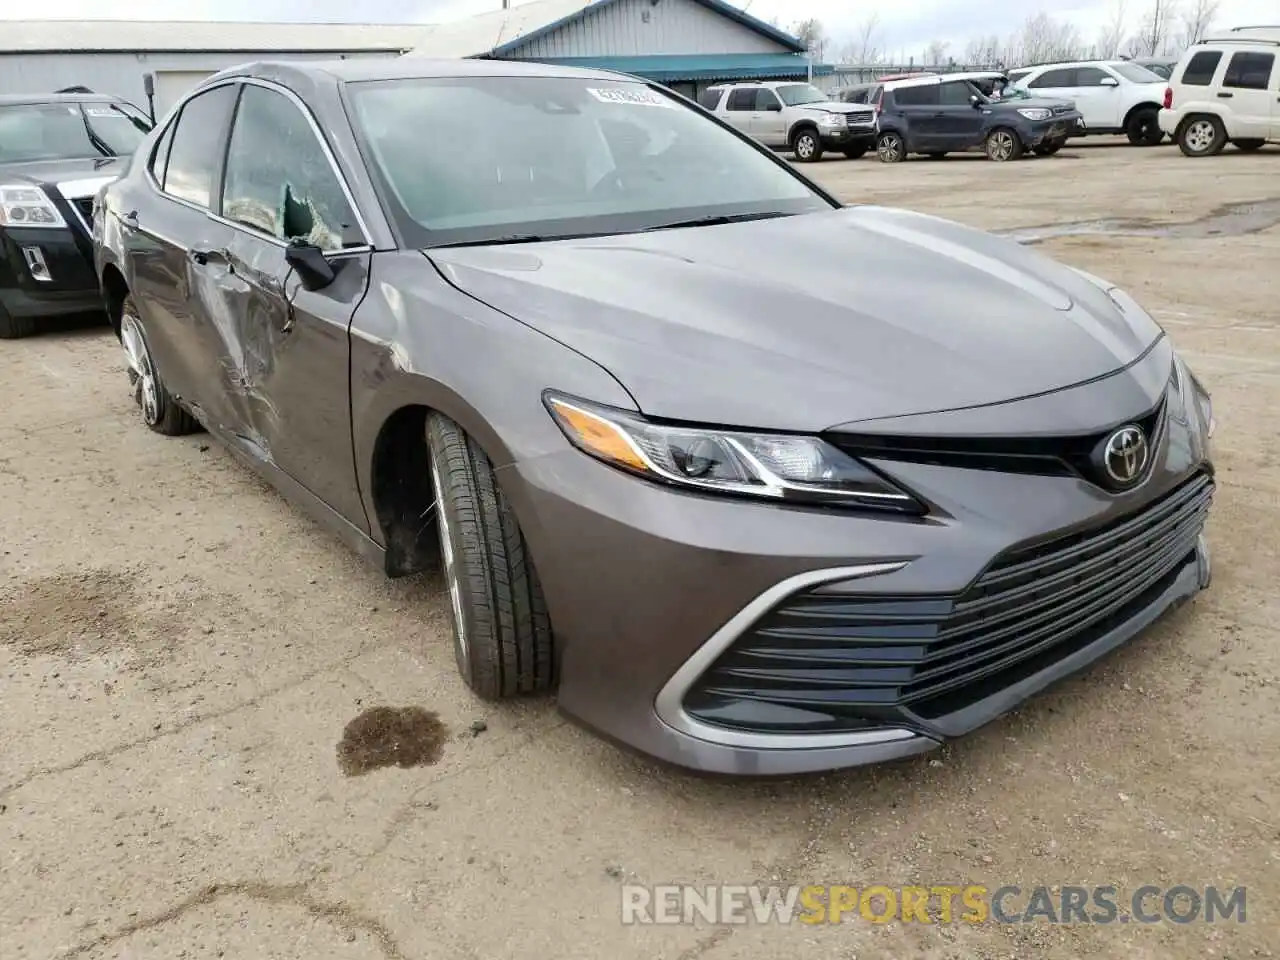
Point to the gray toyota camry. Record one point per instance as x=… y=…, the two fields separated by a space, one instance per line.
x=760 y=482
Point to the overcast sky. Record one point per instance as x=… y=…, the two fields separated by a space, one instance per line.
x=905 y=25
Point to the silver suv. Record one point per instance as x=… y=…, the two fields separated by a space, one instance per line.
x=794 y=116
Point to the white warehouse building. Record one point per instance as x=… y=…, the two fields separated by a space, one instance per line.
x=686 y=44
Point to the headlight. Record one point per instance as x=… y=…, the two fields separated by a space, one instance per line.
x=831 y=120
x=1036 y=113
x=772 y=466
x=1205 y=403
x=22 y=206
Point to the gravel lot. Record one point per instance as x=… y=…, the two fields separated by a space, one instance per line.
x=180 y=653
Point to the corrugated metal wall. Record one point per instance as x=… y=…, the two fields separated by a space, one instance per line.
x=119 y=74
x=633 y=28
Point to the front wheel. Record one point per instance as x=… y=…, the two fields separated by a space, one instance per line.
x=1248 y=146
x=12 y=328
x=1202 y=137
x=1002 y=145
x=1143 y=128
x=890 y=147
x=501 y=630
x=807 y=146
x=160 y=411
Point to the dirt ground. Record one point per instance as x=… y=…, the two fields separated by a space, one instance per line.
x=181 y=654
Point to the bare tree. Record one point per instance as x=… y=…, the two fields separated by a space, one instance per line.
x=937 y=53
x=812 y=34
x=1114 y=31
x=1196 y=18
x=1153 y=34
x=1043 y=39
x=984 y=51
x=865 y=47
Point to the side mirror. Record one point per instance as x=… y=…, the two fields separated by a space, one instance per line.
x=309 y=262
x=774 y=107
x=149 y=84
x=1110 y=82
x=974 y=101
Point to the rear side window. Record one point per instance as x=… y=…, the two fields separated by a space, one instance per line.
x=1054 y=78
x=743 y=99
x=710 y=99
x=1201 y=68
x=1249 y=71
x=198 y=140
x=922 y=96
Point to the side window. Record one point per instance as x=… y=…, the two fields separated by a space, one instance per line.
x=198 y=138
x=710 y=99
x=743 y=99
x=955 y=94
x=279 y=180
x=1090 y=77
x=1016 y=75
x=922 y=96
x=766 y=99
x=1249 y=71
x=160 y=156
x=1054 y=78
x=1200 y=68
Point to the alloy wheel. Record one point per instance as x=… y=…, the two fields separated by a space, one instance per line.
x=890 y=148
x=142 y=374
x=1200 y=136
x=805 y=146
x=1000 y=146
x=461 y=649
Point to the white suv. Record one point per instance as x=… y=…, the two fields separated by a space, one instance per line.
x=794 y=116
x=1226 y=90
x=1113 y=96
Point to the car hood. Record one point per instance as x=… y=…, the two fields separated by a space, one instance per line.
x=53 y=172
x=836 y=106
x=805 y=322
x=1045 y=103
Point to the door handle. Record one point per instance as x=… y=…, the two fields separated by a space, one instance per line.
x=1224 y=95
x=130 y=220
x=201 y=255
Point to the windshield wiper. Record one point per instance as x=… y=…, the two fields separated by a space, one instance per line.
x=512 y=238
x=99 y=144
x=716 y=220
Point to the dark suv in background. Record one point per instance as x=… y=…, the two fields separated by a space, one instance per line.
x=56 y=151
x=940 y=115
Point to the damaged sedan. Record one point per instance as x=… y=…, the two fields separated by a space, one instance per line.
x=758 y=482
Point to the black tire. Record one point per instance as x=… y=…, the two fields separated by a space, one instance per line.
x=856 y=153
x=160 y=411
x=1048 y=148
x=1202 y=135
x=502 y=632
x=806 y=144
x=14 y=328
x=1248 y=146
x=1143 y=128
x=890 y=147
x=1003 y=144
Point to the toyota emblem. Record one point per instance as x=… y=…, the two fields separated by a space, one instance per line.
x=1125 y=455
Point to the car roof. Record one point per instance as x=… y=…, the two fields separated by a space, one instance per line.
x=13 y=99
x=407 y=67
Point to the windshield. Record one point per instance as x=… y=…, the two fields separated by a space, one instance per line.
x=795 y=94
x=486 y=159
x=1135 y=73
x=69 y=131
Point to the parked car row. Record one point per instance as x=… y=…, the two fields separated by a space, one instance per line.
x=539 y=366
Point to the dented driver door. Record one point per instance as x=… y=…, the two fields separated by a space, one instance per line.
x=291 y=345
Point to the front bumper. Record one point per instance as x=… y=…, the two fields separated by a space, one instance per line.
x=649 y=588
x=845 y=138
x=1036 y=132
x=46 y=272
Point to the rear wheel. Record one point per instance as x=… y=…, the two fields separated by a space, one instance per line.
x=501 y=629
x=1143 y=128
x=160 y=411
x=855 y=153
x=1248 y=146
x=11 y=327
x=807 y=145
x=1202 y=136
x=890 y=147
x=1003 y=144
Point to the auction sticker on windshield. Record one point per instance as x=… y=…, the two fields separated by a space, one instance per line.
x=641 y=97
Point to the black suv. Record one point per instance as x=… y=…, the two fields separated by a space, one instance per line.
x=56 y=151
x=940 y=115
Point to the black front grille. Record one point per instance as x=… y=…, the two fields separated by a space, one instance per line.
x=1074 y=455
x=862 y=119
x=827 y=661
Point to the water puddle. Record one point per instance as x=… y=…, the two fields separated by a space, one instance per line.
x=391 y=737
x=1233 y=220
